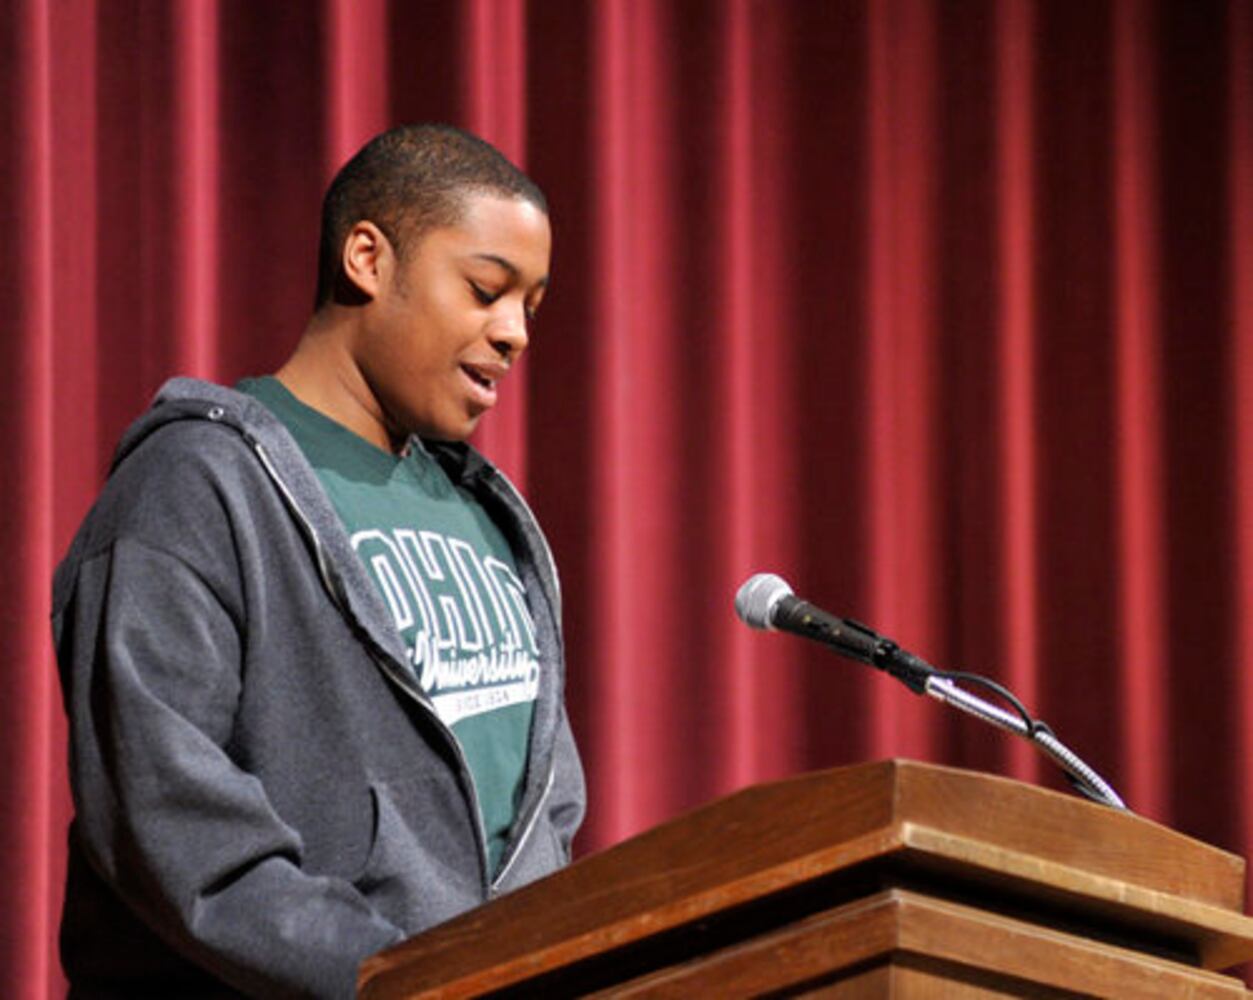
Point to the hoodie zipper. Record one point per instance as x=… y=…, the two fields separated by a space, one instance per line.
x=402 y=680
x=518 y=844
x=534 y=814
x=534 y=523
x=324 y=569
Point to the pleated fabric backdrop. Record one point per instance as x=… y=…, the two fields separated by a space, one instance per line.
x=943 y=311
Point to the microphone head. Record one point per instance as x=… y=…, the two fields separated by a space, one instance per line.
x=758 y=597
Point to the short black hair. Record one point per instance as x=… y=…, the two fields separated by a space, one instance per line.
x=406 y=181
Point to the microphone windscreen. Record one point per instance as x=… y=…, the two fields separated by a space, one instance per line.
x=757 y=598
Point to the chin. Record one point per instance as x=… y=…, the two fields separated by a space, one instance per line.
x=459 y=433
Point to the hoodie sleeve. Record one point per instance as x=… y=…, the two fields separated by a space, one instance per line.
x=185 y=836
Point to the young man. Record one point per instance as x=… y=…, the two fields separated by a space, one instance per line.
x=309 y=640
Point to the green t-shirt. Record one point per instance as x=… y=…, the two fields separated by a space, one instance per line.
x=449 y=578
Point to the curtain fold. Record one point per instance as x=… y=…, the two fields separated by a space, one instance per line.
x=1240 y=378
x=944 y=312
x=1017 y=447
x=1138 y=401
x=30 y=737
x=903 y=367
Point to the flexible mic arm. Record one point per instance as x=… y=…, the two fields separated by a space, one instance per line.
x=1091 y=784
x=765 y=601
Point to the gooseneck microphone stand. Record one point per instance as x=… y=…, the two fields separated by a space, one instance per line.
x=765 y=601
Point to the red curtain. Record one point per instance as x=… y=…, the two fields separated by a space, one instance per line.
x=943 y=311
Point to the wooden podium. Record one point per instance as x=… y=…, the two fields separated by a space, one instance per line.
x=893 y=879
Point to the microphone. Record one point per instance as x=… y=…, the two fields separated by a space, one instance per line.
x=765 y=601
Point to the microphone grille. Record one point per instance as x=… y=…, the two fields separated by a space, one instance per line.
x=757 y=598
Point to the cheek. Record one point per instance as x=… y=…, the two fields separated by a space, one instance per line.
x=442 y=314
x=408 y=338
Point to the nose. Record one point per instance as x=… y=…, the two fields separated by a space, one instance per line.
x=509 y=336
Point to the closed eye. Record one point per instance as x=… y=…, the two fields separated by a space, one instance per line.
x=483 y=295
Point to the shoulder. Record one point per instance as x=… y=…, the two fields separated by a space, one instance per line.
x=185 y=478
x=198 y=443
x=181 y=470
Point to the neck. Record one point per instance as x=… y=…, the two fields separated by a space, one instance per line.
x=321 y=373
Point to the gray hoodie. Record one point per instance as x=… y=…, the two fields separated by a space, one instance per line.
x=263 y=794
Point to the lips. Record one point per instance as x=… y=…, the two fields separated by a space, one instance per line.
x=482 y=377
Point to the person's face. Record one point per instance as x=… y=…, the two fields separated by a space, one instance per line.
x=449 y=321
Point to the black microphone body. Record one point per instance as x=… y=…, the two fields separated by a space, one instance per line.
x=766 y=601
x=849 y=638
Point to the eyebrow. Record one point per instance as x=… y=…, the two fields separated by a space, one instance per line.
x=508 y=265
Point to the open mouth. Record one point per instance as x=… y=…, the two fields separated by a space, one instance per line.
x=479 y=378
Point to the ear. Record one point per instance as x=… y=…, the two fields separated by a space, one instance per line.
x=367 y=259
